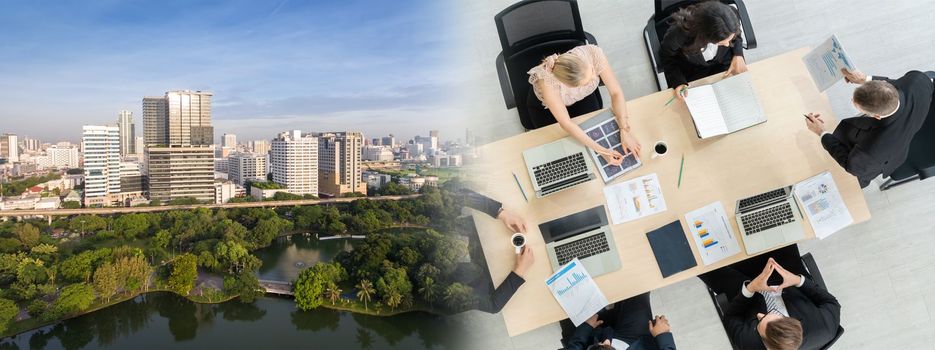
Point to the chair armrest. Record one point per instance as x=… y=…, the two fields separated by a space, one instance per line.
x=590 y=38
x=652 y=44
x=748 y=33
x=809 y=261
x=505 y=86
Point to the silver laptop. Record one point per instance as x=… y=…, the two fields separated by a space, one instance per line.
x=604 y=130
x=770 y=219
x=557 y=166
x=584 y=235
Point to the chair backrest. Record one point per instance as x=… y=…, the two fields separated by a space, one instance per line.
x=530 y=22
x=921 y=159
x=665 y=8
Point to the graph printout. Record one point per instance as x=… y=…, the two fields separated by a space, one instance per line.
x=823 y=205
x=712 y=233
x=634 y=199
x=824 y=63
x=576 y=292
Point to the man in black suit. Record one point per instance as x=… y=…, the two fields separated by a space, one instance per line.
x=878 y=142
x=630 y=325
x=784 y=313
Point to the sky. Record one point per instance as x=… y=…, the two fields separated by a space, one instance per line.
x=373 y=66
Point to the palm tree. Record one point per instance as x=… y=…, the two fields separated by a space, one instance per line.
x=394 y=299
x=428 y=290
x=364 y=291
x=333 y=293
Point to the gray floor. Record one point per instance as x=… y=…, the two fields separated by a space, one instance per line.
x=882 y=271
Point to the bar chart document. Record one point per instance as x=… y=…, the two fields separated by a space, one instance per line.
x=712 y=233
x=724 y=107
x=634 y=199
x=823 y=204
x=824 y=63
x=576 y=292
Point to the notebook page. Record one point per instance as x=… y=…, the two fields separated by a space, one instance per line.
x=703 y=105
x=738 y=102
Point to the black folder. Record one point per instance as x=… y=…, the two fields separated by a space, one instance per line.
x=671 y=248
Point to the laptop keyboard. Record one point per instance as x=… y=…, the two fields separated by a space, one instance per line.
x=560 y=169
x=762 y=197
x=581 y=248
x=767 y=218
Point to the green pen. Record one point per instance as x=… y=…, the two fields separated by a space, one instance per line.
x=681 y=167
x=672 y=98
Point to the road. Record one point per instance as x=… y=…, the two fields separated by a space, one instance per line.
x=124 y=210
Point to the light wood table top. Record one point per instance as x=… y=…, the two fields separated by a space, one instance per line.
x=767 y=156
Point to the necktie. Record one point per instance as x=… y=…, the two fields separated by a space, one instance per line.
x=774 y=303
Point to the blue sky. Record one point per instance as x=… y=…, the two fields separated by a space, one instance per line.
x=367 y=65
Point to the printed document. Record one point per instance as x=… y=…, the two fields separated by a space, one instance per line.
x=824 y=63
x=712 y=233
x=823 y=204
x=576 y=292
x=725 y=106
x=634 y=199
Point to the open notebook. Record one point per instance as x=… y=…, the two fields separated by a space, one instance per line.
x=725 y=106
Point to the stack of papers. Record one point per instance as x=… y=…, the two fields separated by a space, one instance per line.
x=823 y=204
x=576 y=292
x=712 y=233
x=634 y=199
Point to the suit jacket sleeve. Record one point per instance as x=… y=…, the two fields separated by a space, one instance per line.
x=582 y=337
x=740 y=329
x=481 y=202
x=853 y=159
x=665 y=341
x=503 y=293
x=670 y=57
x=827 y=304
x=737 y=45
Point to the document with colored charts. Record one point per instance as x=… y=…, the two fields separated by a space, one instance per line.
x=712 y=233
x=824 y=63
x=576 y=292
x=634 y=199
x=823 y=204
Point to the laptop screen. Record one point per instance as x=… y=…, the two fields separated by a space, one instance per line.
x=573 y=224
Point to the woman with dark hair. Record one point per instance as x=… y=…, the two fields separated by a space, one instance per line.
x=703 y=39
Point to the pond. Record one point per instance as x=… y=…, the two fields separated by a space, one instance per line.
x=289 y=255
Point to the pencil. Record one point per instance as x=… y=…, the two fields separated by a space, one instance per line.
x=681 y=167
x=521 y=190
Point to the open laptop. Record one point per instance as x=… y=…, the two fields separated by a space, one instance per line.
x=557 y=166
x=769 y=220
x=584 y=235
x=604 y=130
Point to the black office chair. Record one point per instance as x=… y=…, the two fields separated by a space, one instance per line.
x=920 y=164
x=529 y=31
x=721 y=303
x=658 y=24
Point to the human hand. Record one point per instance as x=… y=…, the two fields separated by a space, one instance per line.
x=660 y=326
x=630 y=143
x=512 y=221
x=681 y=92
x=854 y=77
x=814 y=123
x=593 y=321
x=524 y=260
x=612 y=157
x=789 y=279
x=737 y=65
x=758 y=284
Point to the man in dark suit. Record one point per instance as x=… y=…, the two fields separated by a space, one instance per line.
x=878 y=142
x=789 y=311
x=630 y=325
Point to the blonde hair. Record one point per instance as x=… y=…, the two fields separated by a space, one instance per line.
x=567 y=68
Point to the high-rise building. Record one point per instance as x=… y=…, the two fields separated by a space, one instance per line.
x=260 y=147
x=243 y=167
x=180 y=172
x=388 y=141
x=31 y=144
x=376 y=142
x=433 y=133
x=294 y=162
x=101 y=145
x=230 y=141
x=179 y=118
x=154 y=121
x=131 y=178
x=138 y=145
x=58 y=157
x=339 y=157
x=127 y=133
x=9 y=147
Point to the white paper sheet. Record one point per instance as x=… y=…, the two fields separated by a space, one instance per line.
x=823 y=204
x=634 y=199
x=739 y=105
x=824 y=63
x=575 y=290
x=703 y=104
x=712 y=233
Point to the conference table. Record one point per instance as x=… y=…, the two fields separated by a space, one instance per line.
x=777 y=153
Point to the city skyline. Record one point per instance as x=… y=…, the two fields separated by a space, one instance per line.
x=83 y=64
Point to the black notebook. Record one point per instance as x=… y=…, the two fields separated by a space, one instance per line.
x=673 y=254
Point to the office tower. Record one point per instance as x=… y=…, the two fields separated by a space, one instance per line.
x=154 y=121
x=389 y=141
x=376 y=142
x=230 y=141
x=59 y=157
x=260 y=147
x=180 y=172
x=30 y=144
x=101 y=145
x=468 y=137
x=131 y=178
x=243 y=167
x=429 y=144
x=433 y=133
x=9 y=147
x=294 y=162
x=127 y=133
x=179 y=118
x=139 y=145
x=339 y=157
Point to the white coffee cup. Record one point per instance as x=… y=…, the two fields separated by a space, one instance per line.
x=660 y=149
x=518 y=240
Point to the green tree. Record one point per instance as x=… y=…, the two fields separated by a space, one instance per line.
x=74 y=298
x=27 y=234
x=266 y=230
x=131 y=226
x=71 y=205
x=459 y=297
x=429 y=291
x=8 y=311
x=132 y=273
x=77 y=268
x=162 y=239
x=105 y=281
x=309 y=288
x=394 y=281
x=184 y=273
x=364 y=292
x=333 y=293
x=393 y=299
x=45 y=252
x=244 y=285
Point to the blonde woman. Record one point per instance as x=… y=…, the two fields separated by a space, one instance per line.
x=565 y=86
